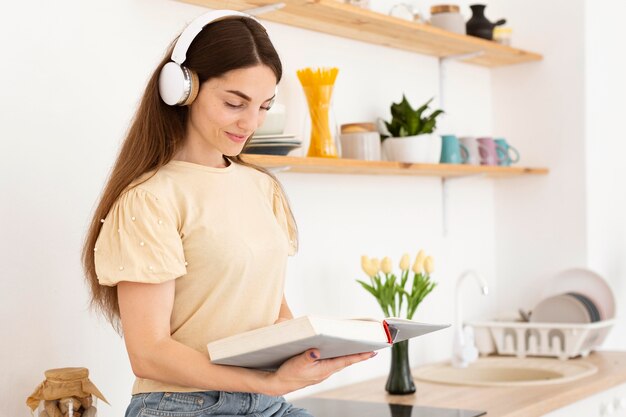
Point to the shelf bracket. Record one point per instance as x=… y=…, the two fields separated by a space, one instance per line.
x=443 y=76
x=445 y=181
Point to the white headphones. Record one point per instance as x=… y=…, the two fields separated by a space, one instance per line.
x=178 y=85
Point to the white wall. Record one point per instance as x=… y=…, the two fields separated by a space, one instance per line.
x=605 y=147
x=71 y=79
x=540 y=222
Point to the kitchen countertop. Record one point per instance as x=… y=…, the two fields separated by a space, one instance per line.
x=497 y=401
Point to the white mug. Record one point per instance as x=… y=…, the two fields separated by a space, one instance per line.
x=473 y=149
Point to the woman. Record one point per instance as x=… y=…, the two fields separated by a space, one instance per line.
x=189 y=244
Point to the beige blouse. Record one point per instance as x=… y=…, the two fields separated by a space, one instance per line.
x=222 y=233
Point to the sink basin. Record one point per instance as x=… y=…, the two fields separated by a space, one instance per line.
x=507 y=372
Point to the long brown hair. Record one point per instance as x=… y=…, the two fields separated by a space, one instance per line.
x=158 y=130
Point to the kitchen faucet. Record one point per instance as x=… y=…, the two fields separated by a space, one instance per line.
x=463 y=348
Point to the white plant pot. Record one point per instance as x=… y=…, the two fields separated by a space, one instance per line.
x=423 y=149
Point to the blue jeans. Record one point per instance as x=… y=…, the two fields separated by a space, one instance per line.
x=210 y=403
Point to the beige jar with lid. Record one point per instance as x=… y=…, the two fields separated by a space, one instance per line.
x=447 y=17
x=66 y=392
x=360 y=141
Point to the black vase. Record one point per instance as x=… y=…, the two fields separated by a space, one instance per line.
x=400 y=380
x=479 y=25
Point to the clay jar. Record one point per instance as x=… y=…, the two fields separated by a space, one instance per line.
x=479 y=25
x=447 y=17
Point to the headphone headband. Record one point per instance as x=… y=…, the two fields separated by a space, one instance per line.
x=179 y=54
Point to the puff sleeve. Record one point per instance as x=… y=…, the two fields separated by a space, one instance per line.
x=139 y=241
x=285 y=220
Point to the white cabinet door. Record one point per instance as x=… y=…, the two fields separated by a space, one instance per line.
x=609 y=403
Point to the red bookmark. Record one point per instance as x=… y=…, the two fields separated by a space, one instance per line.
x=387 y=332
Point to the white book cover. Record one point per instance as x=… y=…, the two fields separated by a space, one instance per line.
x=268 y=347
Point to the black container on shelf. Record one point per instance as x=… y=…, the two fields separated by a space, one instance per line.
x=479 y=25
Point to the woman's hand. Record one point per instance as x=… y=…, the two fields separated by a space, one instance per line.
x=306 y=369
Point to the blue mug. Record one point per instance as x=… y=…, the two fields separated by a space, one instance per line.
x=452 y=152
x=504 y=153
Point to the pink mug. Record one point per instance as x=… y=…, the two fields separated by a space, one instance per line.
x=488 y=151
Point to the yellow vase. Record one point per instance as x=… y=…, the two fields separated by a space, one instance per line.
x=322 y=139
x=318 y=89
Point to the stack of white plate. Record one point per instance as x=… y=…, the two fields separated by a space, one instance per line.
x=272 y=144
x=566 y=308
x=575 y=296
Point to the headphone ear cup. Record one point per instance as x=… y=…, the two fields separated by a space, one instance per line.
x=176 y=84
x=194 y=88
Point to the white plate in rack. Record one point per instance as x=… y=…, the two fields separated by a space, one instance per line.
x=586 y=282
x=560 y=309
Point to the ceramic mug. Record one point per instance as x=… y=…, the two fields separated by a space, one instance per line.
x=473 y=149
x=504 y=152
x=488 y=151
x=452 y=151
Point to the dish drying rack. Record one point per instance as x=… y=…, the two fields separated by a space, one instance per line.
x=561 y=340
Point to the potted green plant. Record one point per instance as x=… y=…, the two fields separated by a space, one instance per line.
x=409 y=136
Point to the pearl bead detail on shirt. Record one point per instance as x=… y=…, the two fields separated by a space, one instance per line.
x=121 y=268
x=141 y=243
x=133 y=218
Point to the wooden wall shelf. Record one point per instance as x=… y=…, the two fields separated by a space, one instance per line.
x=340 y=19
x=353 y=166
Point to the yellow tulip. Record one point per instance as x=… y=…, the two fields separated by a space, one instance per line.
x=373 y=271
x=386 y=266
x=405 y=262
x=429 y=264
x=365 y=264
x=368 y=266
x=375 y=262
x=418 y=266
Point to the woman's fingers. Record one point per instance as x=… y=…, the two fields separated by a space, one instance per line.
x=337 y=364
x=307 y=358
x=307 y=369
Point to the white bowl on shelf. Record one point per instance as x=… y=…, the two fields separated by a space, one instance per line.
x=274 y=123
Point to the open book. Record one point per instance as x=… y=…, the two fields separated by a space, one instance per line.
x=268 y=347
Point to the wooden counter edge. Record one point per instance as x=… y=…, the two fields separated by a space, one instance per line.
x=533 y=401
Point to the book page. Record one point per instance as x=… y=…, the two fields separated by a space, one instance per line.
x=403 y=329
